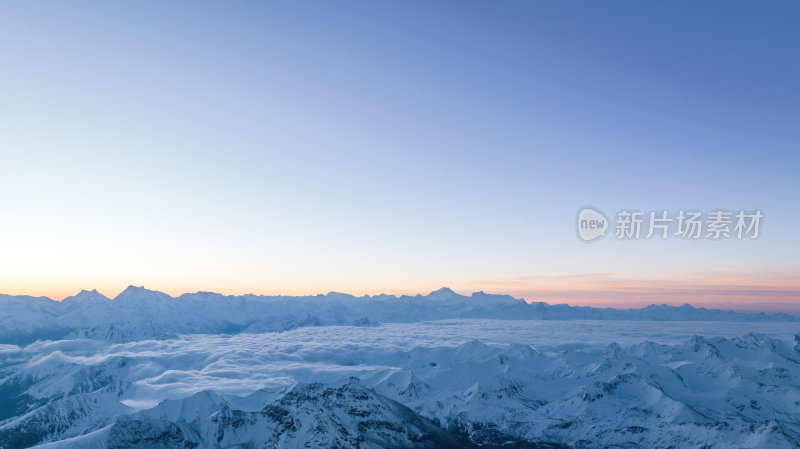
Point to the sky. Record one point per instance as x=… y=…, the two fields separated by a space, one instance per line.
x=367 y=147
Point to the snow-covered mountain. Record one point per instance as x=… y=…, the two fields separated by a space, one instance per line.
x=199 y=392
x=138 y=313
x=146 y=370
x=344 y=415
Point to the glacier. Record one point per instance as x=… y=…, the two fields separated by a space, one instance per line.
x=438 y=371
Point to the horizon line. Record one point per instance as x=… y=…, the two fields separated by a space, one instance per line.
x=675 y=304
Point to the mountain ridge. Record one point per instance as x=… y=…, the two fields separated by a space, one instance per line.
x=703 y=392
x=139 y=313
x=141 y=292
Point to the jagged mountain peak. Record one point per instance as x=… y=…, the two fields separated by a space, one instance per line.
x=443 y=293
x=133 y=292
x=86 y=296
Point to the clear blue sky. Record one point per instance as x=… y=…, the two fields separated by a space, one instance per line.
x=295 y=147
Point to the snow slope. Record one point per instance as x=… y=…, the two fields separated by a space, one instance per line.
x=275 y=390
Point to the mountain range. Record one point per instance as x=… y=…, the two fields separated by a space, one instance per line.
x=138 y=313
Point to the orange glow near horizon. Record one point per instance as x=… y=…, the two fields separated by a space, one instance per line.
x=726 y=290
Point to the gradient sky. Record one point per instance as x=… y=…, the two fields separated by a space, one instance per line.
x=365 y=147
